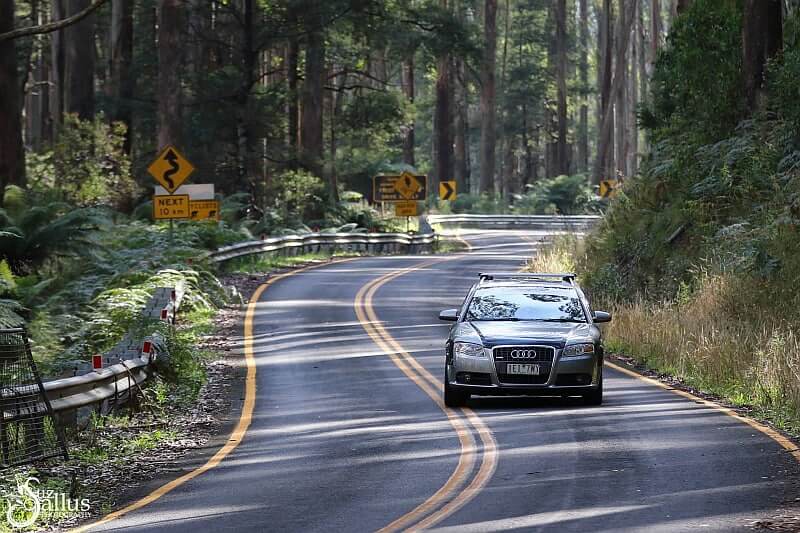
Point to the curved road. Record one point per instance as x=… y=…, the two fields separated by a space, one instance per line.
x=349 y=433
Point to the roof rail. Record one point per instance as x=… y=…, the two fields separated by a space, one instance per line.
x=569 y=277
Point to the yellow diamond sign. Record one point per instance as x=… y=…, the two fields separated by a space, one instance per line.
x=608 y=188
x=170 y=169
x=407 y=185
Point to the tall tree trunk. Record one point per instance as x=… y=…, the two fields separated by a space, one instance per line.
x=583 y=128
x=57 y=61
x=643 y=77
x=488 y=105
x=537 y=154
x=501 y=169
x=442 y=125
x=292 y=112
x=122 y=85
x=461 y=143
x=169 y=77
x=633 y=92
x=199 y=31
x=562 y=153
x=606 y=126
x=311 y=142
x=527 y=167
x=655 y=34
x=762 y=38
x=336 y=103
x=248 y=66
x=621 y=105
x=604 y=162
x=12 y=155
x=36 y=88
x=45 y=91
x=408 y=88
x=79 y=63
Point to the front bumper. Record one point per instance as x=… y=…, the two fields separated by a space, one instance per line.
x=567 y=376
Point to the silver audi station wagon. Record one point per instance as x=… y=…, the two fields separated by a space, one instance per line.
x=521 y=333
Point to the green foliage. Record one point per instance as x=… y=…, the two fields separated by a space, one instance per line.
x=783 y=76
x=32 y=234
x=714 y=197
x=564 y=195
x=295 y=197
x=88 y=165
x=79 y=277
x=482 y=203
x=696 y=87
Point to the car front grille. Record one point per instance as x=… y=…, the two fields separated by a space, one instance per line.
x=541 y=355
x=524 y=354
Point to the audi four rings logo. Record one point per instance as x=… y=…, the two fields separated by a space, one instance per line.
x=523 y=354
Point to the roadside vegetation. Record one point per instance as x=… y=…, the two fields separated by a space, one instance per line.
x=699 y=257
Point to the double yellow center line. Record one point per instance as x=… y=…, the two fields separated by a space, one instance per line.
x=459 y=489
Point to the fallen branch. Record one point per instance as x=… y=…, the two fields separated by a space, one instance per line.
x=51 y=26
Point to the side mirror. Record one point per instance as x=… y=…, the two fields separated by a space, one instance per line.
x=449 y=315
x=601 y=316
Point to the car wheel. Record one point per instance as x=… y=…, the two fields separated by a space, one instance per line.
x=596 y=396
x=452 y=396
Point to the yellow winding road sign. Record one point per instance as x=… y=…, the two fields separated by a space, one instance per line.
x=170 y=169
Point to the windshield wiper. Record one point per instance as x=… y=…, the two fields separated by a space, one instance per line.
x=561 y=320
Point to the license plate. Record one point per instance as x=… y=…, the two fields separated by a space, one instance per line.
x=529 y=370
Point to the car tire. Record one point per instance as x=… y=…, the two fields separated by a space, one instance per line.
x=452 y=396
x=596 y=396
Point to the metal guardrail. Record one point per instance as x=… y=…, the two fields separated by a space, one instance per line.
x=317 y=242
x=543 y=222
x=125 y=366
x=129 y=363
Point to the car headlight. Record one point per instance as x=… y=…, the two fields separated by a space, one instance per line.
x=572 y=350
x=468 y=349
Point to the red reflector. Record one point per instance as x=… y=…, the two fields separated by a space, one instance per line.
x=147 y=347
x=97 y=362
x=163 y=314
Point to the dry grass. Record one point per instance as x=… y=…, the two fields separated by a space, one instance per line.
x=725 y=337
x=559 y=256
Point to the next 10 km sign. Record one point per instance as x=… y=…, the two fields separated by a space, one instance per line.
x=172 y=206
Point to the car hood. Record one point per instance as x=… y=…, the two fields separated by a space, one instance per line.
x=495 y=333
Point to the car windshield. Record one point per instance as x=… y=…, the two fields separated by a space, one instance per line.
x=526 y=303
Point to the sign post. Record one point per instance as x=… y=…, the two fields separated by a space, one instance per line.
x=403 y=190
x=170 y=169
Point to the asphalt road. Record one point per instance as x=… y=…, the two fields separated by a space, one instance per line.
x=349 y=434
